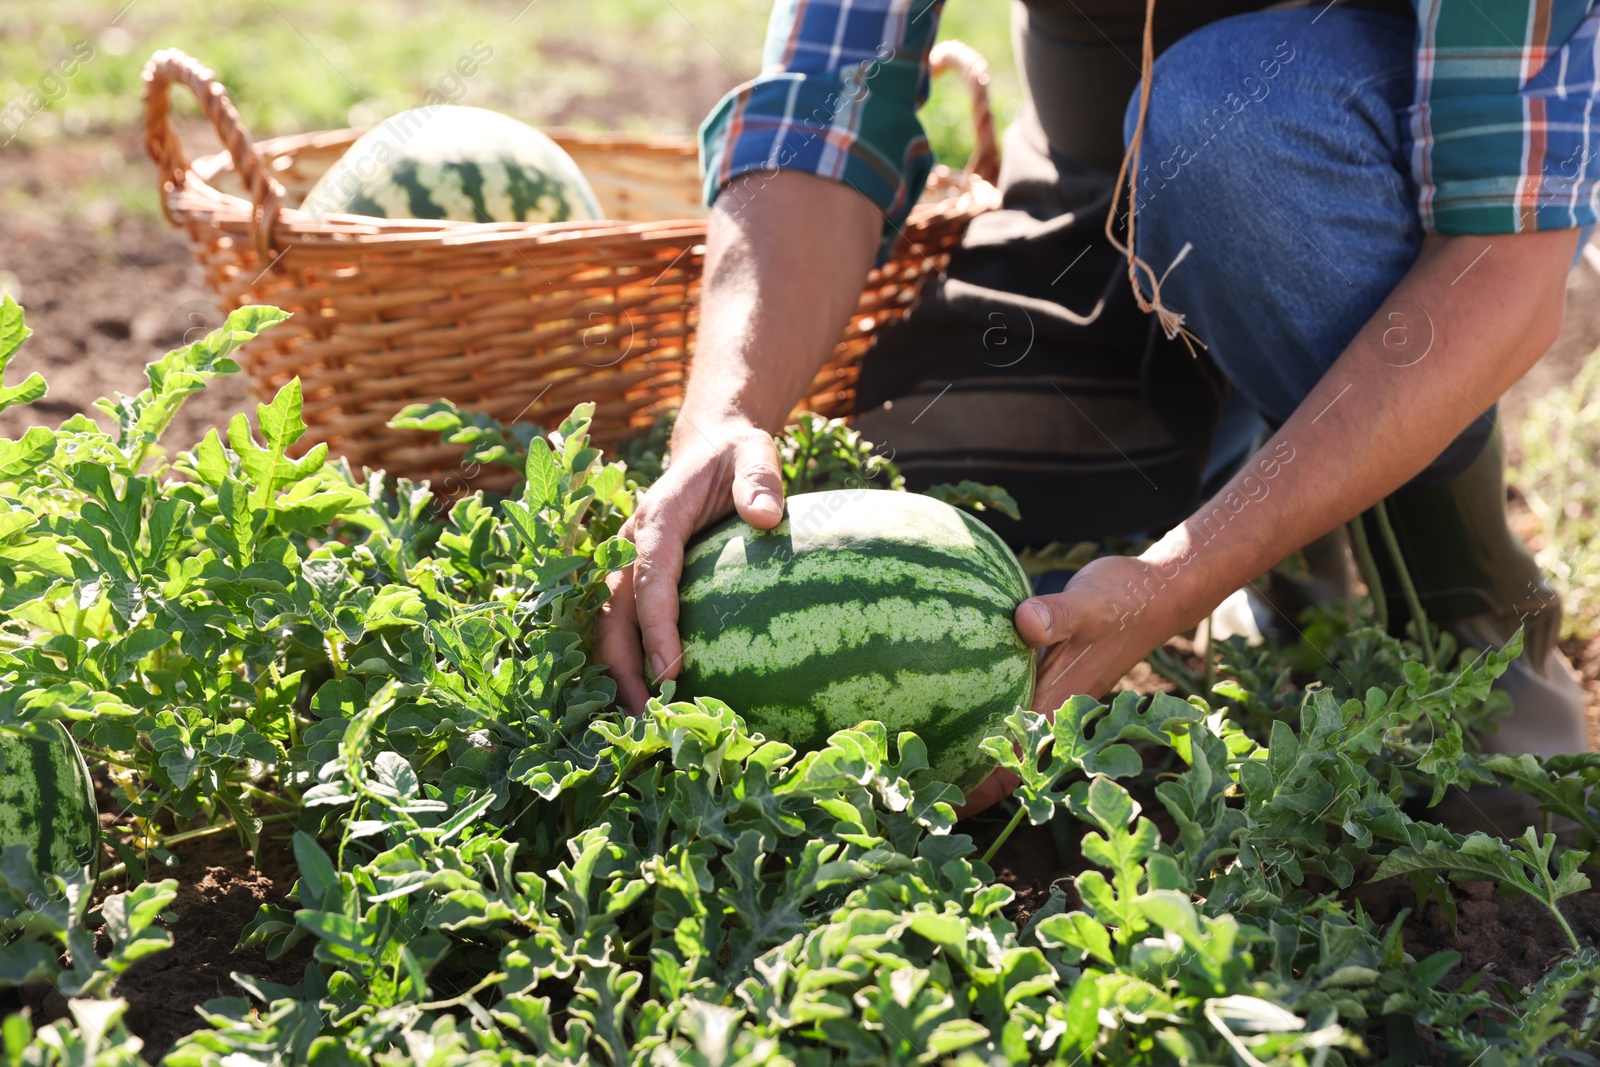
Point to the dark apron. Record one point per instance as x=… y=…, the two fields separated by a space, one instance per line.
x=1098 y=425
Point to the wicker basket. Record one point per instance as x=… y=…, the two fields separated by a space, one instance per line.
x=515 y=320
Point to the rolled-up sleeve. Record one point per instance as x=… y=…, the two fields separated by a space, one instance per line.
x=837 y=96
x=1500 y=127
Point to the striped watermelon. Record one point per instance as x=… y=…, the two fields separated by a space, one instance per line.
x=862 y=604
x=463 y=163
x=47 y=801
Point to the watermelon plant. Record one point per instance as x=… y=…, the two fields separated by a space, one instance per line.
x=497 y=866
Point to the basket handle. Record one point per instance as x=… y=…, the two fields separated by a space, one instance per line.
x=969 y=63
x=171 y=66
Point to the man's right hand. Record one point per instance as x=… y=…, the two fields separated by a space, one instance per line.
x=785 y=260
x=713 y=472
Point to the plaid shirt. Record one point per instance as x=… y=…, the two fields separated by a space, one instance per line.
x=1500 y=125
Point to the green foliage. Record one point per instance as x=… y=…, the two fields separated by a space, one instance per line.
x=1428 y=717
x=93 y=1036
x=1554 y=467
x=12 y=333
x=978 y=497
x=486 y=440
x=497 y=866
x=48 y=916
x=819 y=453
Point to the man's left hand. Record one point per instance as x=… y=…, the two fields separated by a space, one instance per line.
x=1109 y=617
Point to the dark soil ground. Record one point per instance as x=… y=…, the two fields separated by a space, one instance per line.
x=107 y=290
x=219 y=892
x=221 y=887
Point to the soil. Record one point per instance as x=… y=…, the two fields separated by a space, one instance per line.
x=220 y=889
x=105 y=291
x=1510 y=939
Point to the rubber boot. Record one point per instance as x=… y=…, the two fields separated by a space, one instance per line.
x=1475 y=579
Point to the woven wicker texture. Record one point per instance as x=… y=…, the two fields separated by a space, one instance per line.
x=519 y=321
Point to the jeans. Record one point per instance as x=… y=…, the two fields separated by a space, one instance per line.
x=1276 y=145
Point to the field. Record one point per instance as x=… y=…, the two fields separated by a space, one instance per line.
x=364 y=801
x=109 y=285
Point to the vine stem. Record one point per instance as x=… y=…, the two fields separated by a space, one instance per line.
x=106 y=757
x=648 y=935
x=111 y=873
x=461 y=998
x=334 y=659
x=1591 y=1024
x=1016 y=821
x=116 y=761
x=1591 y=1012
x=1566 y=927
x=272 y=798
x=1413 y=601
x=1369 y=570
x=1175 y=673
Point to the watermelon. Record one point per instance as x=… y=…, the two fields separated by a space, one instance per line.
x=448 y=162
x=47 y=801
x=862 y=604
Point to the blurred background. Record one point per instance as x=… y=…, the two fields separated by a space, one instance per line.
x=108 y=285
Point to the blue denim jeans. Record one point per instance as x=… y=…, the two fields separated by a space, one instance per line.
x=1277 y=146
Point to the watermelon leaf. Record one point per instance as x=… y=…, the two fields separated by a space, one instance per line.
x=492 y=862
x=22 y=457
x=280 y=420
x=12 y=333
x=181 y=373
x=976 y=496
x=23 y=962
x=1085 y=737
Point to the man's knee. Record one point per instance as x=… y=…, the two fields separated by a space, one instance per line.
x=1214 y=73
x=1210 y=92
x=1244 y=103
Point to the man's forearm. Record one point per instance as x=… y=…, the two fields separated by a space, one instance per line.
x=785 y=262
x=1469 y=319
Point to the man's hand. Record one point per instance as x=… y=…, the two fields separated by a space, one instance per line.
x=1491 y=306
x=1109 y=617
x=732 y=468
x=785 y=261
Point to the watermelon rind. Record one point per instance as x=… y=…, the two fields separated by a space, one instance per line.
x=47 y=801
x=861 y=605
x=467 y=164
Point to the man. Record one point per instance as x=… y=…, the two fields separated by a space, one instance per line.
x=1366 y=213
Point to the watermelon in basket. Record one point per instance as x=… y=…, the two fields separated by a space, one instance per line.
x=519 y=319
x=450 y=162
